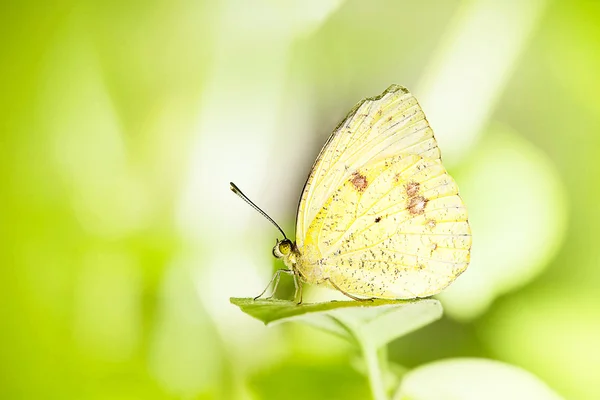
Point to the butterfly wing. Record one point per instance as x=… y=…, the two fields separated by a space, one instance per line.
x=395 y=229
x=376 y=128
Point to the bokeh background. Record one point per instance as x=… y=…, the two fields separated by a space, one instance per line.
x=123 y=123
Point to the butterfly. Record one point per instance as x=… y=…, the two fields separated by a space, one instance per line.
x=379 y=215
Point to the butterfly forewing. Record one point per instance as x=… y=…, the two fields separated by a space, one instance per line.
x=377 y=128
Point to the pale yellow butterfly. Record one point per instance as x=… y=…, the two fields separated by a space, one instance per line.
x=379 y=216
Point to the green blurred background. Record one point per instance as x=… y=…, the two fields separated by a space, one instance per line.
x=123 y=122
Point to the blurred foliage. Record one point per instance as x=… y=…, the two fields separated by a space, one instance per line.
x=303 y=379
x=122 y=124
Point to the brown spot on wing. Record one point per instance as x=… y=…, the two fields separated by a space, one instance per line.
x=416 y=205
x=377 y=219
x=412 y=188
x=359 y=181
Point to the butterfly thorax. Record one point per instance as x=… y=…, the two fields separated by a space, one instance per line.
x=308 y=264
x=295 y=259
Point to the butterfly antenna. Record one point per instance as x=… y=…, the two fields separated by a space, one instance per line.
x=237 y=191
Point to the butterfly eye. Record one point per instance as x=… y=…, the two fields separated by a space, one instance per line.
x=285 y=247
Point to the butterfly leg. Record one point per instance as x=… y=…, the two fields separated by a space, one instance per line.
x=276 y=276
x=298 y=285
x=347 y=294
x=275 y=279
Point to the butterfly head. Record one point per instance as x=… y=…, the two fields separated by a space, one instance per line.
x=283 y=248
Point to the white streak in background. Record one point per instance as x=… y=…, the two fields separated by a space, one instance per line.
x=79 y=121
x=79 y=117
x=240 y=107
x=477 y=56
x=235 y=141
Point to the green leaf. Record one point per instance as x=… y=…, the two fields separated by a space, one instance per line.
x=374 y=322
x=472 y=379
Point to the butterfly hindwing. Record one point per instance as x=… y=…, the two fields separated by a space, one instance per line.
x=395 y=228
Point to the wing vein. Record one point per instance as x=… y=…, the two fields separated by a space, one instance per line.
x=356 y=218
